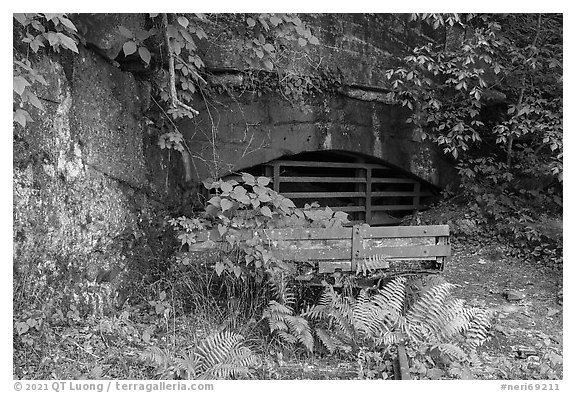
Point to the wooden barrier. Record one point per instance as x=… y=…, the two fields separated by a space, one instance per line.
x=350 y=249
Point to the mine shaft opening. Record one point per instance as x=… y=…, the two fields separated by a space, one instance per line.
x=368 y=189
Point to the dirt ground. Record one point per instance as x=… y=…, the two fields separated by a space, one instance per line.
x=526 y=303
x=526 y=299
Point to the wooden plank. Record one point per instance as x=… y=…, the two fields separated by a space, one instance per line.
x=316 y=164
x=400 y=193
x=397 y=207
x=368 y=201
x=357 y=248
x=349 y=208
x=276 y=177
x=331 y=267
x=416 y=200
x=408 y=231
x=323 y=195
x=331 y=253
x=320 y=179
x=393 y=180
x=337 y=233
x=439 y=250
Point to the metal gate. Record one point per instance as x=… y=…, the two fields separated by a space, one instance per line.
x=372 y=193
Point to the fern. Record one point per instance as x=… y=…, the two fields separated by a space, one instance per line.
x=435 y=319
x=372 y=263
x=282 y=322
x=221 y=355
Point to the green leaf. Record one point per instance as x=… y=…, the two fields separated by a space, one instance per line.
x=19 y=85
x=237 y=271
x=263 y=181
x=250 y=22
x=248 y=179
x=219 y=267
x=215 y=201
x=129 y=47
x=67 y=42
x=68 y=23
x=302 y=41
x=265 y=210
x=20 y=18
x=314 y=41
x=22 y=117
x=268 y=64
x=33 y=99
x=144 y=54
x=226 y=204
x=183 y=21
x=226 y=187
x=52 y=38
x=275 y=21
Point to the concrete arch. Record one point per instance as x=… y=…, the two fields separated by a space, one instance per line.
x=247 y=131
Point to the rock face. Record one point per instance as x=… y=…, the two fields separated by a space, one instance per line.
x=88 y=184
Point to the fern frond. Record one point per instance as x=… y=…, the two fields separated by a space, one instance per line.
x=391 y=299
x=222 y=355
x=452 y=350
x=281 y=289
x=372 y=263
x=187 y=365
x=477 y=333
x=157 y=356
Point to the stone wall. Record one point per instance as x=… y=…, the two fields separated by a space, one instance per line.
x=88 y=184
x=246 y=129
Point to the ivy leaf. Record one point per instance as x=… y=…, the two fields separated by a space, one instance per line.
x=215 y=201
x=250 y=22
x=129 y=47
x=265 y=210
x=263 y=181
x=20 y=84
x=21 y=117
x=183 y=21
x=302 y=41
x=226 y=187
x=67 y=42
x=226 y=204
x=144 y=54
x=222 y=229
x=248 y=179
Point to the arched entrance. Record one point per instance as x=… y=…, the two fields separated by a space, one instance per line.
x=367 y=188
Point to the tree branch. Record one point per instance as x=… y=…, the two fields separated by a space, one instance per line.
x=521 y=97
x=173 y=96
